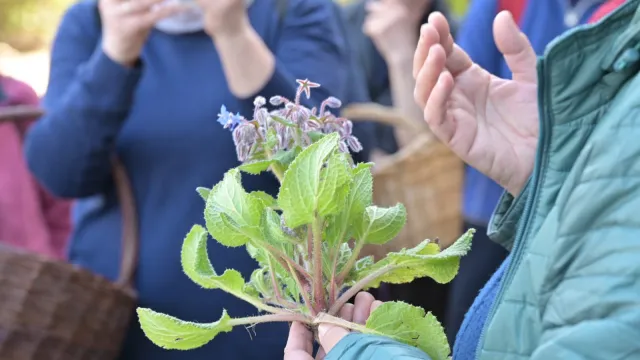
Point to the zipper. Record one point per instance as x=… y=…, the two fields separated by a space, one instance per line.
x=523 y=232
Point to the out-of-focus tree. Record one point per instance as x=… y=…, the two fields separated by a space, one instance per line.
x=30 y=24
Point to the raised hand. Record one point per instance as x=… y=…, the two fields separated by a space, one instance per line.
x=491 y=123
x=300 y=343
x=224 y=17
x=126 y=24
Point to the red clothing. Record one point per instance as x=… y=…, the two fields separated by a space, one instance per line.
x=605 y=9
x=30 y=218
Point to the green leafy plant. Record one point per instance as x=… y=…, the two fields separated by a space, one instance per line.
x=307 y=241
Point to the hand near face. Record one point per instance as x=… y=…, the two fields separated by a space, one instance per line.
x=224 y=17
x=126 y=24
x=491 y=123
x=300 y=343
x=392 y=25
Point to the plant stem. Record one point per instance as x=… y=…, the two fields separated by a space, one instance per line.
x=276 y=169
x=259 y=305
x=288 y=317
x=324 y=318
x=285 y=261
x=355 y=254
x=318 y=284
x=302 y=290
x=335 y=308
x=274 y=281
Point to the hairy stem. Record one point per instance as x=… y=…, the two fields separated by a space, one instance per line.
x=355 y=254
x=318 y=284
x=302 y=291
x=285 y=261
x=275 y=168
x=335 y=308
x=288 y=317
x=274 y=281
x=260 y=305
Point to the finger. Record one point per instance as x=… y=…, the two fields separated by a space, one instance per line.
x=152 y=17
x=441 y=25
x=130 y=7
x=375 y=305
x=428 y=37
x=435 y=111
x=429 y=74
x=330 y=335
x=516 y=48
x=321 y=354
x=300 y=342
x=347 y=312
x=374 y=6
x=362 y=307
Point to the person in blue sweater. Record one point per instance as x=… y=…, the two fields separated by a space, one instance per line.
x=541 y=21
x=146 y=80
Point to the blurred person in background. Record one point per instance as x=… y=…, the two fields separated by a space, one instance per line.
x=541 y=21
x=146 y=79
x=382 y=36
x=30 y=218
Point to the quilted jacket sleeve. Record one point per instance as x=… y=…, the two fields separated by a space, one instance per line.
x=367 y=347
x=591 y=299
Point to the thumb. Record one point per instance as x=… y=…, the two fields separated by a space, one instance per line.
x=330 y=335
x=515 y=47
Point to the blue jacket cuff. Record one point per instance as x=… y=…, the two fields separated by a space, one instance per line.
x=357 y=346
x=504 y=221
x=110 y=85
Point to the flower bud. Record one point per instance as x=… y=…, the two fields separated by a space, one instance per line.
x=259 y=101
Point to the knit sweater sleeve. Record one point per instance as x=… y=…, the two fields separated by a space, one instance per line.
x=87 y=101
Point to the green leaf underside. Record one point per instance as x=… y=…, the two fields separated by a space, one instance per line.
x=380 y=225
x=300 y=188
x=203 y=192
x=172 y=333
x=232 y=216
x=424 y=260
x=256 y=167
x=268 y=200
x=411 y=325
x=285 y=158
x=196 y=264
x=360 y=196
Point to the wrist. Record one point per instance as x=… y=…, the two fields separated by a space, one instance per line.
x=118 y=56
x=238 y=29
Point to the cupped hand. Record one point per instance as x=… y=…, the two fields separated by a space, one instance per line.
x=300 y=343
x=491 y=123
x=126 y=24
x=224 y=17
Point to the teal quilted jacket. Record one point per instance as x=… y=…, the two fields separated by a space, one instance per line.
x=572 y=290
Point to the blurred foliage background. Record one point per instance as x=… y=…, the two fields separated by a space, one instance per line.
x=28 y=25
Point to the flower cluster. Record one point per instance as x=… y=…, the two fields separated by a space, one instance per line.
x=287 y=127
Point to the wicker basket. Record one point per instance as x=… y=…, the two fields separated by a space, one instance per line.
x=424 y=175
x=51 y=310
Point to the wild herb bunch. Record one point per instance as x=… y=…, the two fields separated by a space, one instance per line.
x=307 y=241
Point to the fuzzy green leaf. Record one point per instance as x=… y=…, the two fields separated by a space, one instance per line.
x=300 y=188
x=424 y=260
x=285 y=158
x=360 y=196
x=411 y=325
x=268 y=200
x=334 y=184
x=273 y=232
x=380 y=225
x=203 y=192
x=315 y=135
x=196 y=264
x=232 y=216
x=171 y=333
x=256 y=167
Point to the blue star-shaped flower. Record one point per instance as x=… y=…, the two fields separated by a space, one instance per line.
x=228 y=119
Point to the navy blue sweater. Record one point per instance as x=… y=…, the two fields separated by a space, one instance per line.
x=161 y=120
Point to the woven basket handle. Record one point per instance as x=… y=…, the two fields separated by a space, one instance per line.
x=382 y=114
x=130 y=235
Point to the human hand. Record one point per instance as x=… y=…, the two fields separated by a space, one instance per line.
x=224 y=17
x=126 y=24
x=491 y=123
x=392 y=26
x=300 y=343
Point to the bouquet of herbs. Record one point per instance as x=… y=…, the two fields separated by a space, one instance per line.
x=307 y=241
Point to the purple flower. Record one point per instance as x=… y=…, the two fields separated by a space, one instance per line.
x=305 y=87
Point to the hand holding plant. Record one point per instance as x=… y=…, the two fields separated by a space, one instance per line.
x=308 y=240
